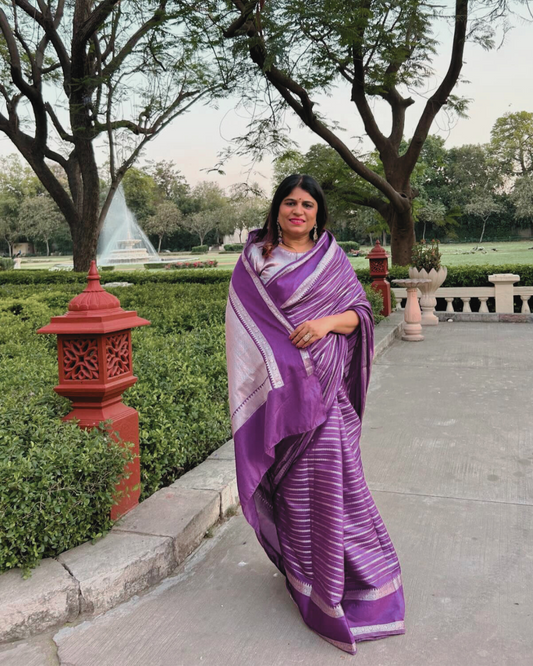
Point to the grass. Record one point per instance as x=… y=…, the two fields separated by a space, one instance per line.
x=456 y=254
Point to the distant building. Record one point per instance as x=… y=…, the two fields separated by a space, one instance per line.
x=235 y=237
x=23 y=248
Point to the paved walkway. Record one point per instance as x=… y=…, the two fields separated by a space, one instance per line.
x=448 y=453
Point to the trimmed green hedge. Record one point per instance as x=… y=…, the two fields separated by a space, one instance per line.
x=199 y=249
x=195 y=275
x=56 y=481
x=461 y=276
x=235 y=247
x=348 y=245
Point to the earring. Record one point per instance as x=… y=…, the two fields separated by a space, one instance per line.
x=315 y=233
x=280 y=235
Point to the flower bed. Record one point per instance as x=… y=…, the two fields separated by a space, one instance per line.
x=212 y=263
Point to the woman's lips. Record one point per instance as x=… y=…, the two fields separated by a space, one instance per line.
x=295 y=220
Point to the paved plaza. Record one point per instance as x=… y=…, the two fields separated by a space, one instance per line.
x=448 y=453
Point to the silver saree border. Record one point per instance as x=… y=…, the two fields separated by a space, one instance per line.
x=304 y=353
x=375 y=593
x=259 y=339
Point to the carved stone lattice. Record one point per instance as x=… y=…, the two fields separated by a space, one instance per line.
x=80 y=359
x=378 y=266
x=118 y=354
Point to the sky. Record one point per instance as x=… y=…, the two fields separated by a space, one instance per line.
x=500 y=81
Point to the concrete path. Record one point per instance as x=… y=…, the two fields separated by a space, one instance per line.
x=448 y=453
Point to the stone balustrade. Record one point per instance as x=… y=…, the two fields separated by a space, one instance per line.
x=501 y=297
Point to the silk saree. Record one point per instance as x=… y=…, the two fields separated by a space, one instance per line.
x=296 y=420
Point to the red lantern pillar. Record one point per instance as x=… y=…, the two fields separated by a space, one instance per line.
x=379 y=269
x=95 y=368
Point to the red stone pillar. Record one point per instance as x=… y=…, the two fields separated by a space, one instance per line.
x=379 y=269
x=95 y=368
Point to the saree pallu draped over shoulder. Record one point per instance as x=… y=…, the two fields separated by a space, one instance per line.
x=296 y=420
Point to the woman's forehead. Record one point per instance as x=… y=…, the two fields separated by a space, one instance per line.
x=299 y=194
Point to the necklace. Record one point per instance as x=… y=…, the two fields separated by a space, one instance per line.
x=286 y=245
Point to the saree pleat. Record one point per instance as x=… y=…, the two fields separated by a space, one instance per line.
x=303 y=488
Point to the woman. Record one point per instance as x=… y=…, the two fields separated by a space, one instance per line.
x=299 y=348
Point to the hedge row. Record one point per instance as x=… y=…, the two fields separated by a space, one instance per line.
x=234 y=247
x=458 y=276
x=200 y=249
x=348 y=245
x=195 y=275
x=461 y=276
x=56 y=482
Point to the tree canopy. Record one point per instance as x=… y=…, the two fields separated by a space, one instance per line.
x=372 y=50
x=72 y=73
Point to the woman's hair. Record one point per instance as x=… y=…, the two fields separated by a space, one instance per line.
x=268 y=235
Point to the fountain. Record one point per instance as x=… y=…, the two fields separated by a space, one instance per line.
x=122 y=241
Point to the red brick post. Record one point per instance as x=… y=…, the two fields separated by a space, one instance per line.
x=379 y=269
x=95 y=368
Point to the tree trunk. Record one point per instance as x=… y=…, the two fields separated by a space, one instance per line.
x=402 y=230
x=159 y=246
x=384 y=238
x=84 y=242
x=47 y=247
x=424 y=232
x=483 y=230
x=371 y=239
x=201 y=238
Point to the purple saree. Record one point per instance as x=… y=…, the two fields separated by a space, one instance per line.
x=296 y=419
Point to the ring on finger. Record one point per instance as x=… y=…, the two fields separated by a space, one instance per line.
x=307 y=337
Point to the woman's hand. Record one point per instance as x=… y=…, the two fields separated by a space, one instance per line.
x=316 y=329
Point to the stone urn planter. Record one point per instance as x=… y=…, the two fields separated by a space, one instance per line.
x=428 y=289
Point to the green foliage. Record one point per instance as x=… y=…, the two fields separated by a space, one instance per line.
x=461 y=276
x=6 y=263
x=235 y=247
x=200 y=249
x=376 y=302
x=197 y=276
x=348 y=245
x=56 y=481
x=426 y=255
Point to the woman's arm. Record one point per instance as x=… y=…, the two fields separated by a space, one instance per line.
x=344 y=324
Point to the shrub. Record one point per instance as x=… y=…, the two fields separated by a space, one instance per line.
x=376 y=301
x=39 y=277
x=235 y=247
x=105 y=268
x=56 y=481
x=6 y=263
x=348 y=245
x=199 y=249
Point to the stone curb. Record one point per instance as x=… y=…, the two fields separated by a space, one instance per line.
x=142 y=548
x=486 y=317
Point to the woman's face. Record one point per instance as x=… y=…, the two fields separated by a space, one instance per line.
x=297 y=214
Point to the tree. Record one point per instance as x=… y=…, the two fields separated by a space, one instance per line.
x=41 y=219
x=211 y=211
x=522 y=197
x=16 y=182
x=164 y=222
x=375 y=50
x=141 y=193
x=122 y=71
x=511 y=143
x=483 y=206
x=200 y=223
x=248 y=209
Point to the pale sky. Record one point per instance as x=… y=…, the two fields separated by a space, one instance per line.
x=500 y=81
